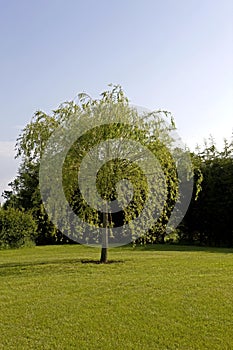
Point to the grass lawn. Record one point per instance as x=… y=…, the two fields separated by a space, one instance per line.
x=161 y=297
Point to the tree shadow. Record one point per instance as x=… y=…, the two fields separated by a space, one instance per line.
x=57 y=262
x=182 y=248
x=98 y=262
x=38 y=263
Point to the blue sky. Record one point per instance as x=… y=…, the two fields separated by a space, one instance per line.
x=171 y=54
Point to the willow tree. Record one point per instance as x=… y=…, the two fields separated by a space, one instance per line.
x=108 y=173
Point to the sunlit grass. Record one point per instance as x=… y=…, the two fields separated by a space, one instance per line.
x=161 y=297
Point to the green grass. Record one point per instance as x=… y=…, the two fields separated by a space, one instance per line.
x=165 y=297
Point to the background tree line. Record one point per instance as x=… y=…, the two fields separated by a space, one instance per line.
x=209 y=220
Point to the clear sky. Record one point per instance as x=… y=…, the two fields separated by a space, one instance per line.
x=172 y=54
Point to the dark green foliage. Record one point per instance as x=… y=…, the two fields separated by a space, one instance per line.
x=209 y=220
x=17 y=228
x=25 y=195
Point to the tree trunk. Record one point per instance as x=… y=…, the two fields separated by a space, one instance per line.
x=104 y=255
x=104 y=250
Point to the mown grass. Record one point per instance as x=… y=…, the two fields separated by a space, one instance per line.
x=161 y=297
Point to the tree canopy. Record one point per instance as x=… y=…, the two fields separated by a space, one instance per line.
x=105 y=163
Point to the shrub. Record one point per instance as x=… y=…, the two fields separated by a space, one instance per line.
x=17 y=228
